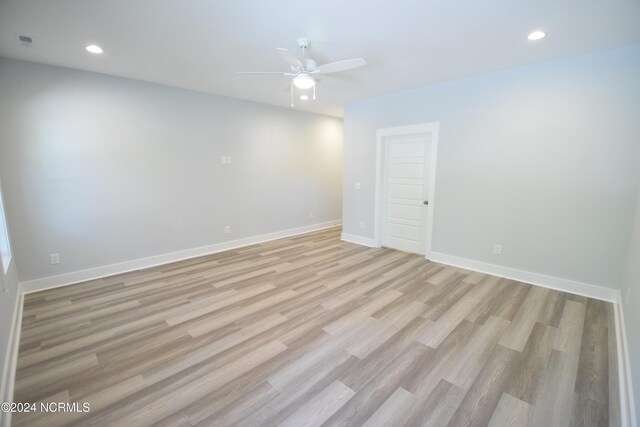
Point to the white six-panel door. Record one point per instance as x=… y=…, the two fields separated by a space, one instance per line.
x=405 y=190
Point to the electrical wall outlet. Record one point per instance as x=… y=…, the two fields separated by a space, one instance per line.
x=358 y=186
x=54 y=259
x=228 y=160
x=227 y=229
x=362 y=226
x=310 y=215
x=225 y=160
x=497 y=249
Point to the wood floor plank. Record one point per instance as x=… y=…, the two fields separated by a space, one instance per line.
x=592 y=382
x=311 y=330
x=444 y=297
x=511 y=412
x=208 y=305
x=161 y=407
x=332 y=350
x=518 y=334
x=381 y=386
x=379 y=331
x=527 y=382
x=571 y=323
x=588 y=412
x=235 y=410
x=214 y=322
x=362 y=312
x=480 y=402
x=476 y=352
x=305 y=387
x=394 y=411
x=62 y=370
x=458 y=311
x=556 y=397
x=438 y=408
x=440 y=361
x=320 y=407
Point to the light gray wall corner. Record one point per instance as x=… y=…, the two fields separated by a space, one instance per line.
x=542 y=159
x=105 y=170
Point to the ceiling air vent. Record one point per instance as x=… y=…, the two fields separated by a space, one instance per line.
x=25 y=40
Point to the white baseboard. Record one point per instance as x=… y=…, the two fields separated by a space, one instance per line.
x=359 y=240
x=627 y=402
x=138 y=264
x=11 y=358
x=557 y=283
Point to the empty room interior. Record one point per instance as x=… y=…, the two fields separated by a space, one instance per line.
x=305 y=213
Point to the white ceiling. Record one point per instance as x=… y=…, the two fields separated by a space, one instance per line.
x=200 y=44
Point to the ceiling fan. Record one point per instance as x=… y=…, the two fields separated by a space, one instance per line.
x=304 y=73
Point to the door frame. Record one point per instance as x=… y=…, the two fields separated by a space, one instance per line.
x=381 y=136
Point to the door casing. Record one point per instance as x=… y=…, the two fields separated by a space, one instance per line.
x=381 y=136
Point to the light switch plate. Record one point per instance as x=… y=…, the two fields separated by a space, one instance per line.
x=54 y=259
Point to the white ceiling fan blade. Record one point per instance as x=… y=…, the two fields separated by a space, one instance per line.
x=324 y=78
x=344 y=65
x=293 y=62
x=282 y=73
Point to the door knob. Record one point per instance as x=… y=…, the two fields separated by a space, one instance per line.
x=426 y=202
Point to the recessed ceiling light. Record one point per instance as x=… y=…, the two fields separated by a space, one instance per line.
x=536 y=35
x=304 y=97
x=93 y=48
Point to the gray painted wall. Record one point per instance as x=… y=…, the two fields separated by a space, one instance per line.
x=542 y=159
x=631 y=303
x=104 y=170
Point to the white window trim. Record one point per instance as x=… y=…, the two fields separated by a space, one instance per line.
x=3 y=224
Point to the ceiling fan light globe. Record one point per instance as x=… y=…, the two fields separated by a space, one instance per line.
x=304 y=81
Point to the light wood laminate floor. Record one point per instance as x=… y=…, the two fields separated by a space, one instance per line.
x=310 y=330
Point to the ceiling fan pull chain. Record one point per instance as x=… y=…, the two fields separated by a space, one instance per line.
x=291 y=93
x=314 y=92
